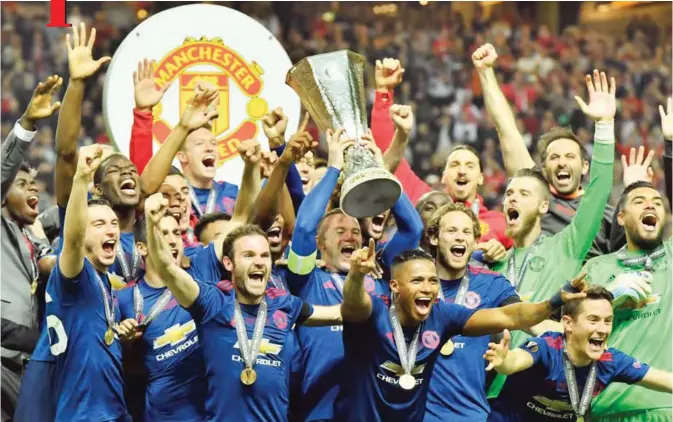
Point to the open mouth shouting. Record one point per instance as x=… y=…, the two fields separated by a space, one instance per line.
x=423 y=305
x=512 y=215
x=128 y=187
x=458 y=251
x=256 y=276
x=462 y=182
x=33 y=201
x=377 y=224
x=209 y=161
x=109 y=247
x=649 y=221
x=274 y=235
x=563 y=176
x=175 y=253
x=347 y=250
x=597 y=343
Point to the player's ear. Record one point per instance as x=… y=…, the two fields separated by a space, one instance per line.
x=433 y=235
x=620 y=218
x=228 y=263
x=394 y=286
x=585 y=167
x=182 y=157
x=97 y=190
x=142 y=249
x=567 y=320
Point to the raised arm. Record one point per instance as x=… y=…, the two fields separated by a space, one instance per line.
x=147 y=95
x=357 y=305
x=18 y=141
x=196 y=114
x=667 y=129
x=81 y=66
x=251 y=180
x=403 y=118
x=324 y=316
x=578 y=236
x=506 y=361
x=514 y=151
x=657 y=380
x=71 y=260
x=182 y=285
x=522 y=315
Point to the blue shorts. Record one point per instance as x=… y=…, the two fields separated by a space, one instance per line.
x=37 y=397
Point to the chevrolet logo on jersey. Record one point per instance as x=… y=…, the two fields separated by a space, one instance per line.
x=266 y=347
x=399 y=371
x=553 y=404
x=175 y=334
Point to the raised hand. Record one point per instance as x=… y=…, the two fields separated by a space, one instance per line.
x=198 y=111
x=80 y=59
x=388 y=74
x=88 y=161
x=250 y=151
x=267 y=163
x=667 y=120
x=497 y=353
x=367 y=141
x=363 y=261
x=602 y=103
x=274 y=124
x=484 y=57
x=155 y=208
x=637 y=169
x=577 y=283
x=337 y=147
x=40 y=105
x=493 y=250
x=403 y=117
x=299 y=144
x=147 y=95
x=127 y=330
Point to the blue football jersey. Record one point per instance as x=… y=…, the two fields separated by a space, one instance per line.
x=204 y=265
x=540 y=393
x=127 y=243
x=176 y=383
x=228 y=399
x=88 y=372
x=458 y=384
x=225 y=198
x=322 y=347
x=370 y=389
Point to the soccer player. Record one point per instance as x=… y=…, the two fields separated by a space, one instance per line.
x=555 y=376
x=211 y=226
x=538 y=264
x=463 y=171
x=457 y=389
x=335 y=236
x=81 y=307
x=247 y=377
x=390 y=353
x=564 y=158
x=639 y=276
x=426 y=206
x=175 y=189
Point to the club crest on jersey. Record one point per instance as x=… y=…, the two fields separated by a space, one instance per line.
x=537 y=264
x=266 y=347
x=472 y=300
x=280 y=319
x=430 y=339
x=532 y=346
x=175 y=334
x=484 y=228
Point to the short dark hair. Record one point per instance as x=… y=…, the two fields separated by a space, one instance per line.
x=140 y=230
x=174 y=171
x=412 y=255
x=537 y=174
x=433 y=224
x=593 y=293
x=25 y=167
x=324 y=218
x=555 y=134
x=426 y=197
x=98 y=201
x=466 y=148
x=207 y=219
x=237 y=233
x=100 y=171
x=630 y=188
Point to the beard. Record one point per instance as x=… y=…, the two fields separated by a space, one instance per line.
x=645 y=244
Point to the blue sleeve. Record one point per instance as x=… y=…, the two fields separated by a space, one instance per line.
x=125 y=302
x=539 y=349
x=625 y=368
x=479 y=257
x=205 y=265
x=208 y=303
x=504 y=289
x=409 y=230
x=303 y=251
x=453 y=318
x=68 y=280
x=293 y=182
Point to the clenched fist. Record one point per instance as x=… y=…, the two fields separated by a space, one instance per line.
x=88 y=161
x=403 y=117
x=274 y=124
x=388 y=74
x=155 y=208
x=250 y=151
x=484 y=57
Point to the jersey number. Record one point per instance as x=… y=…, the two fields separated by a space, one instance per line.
x=54 y=323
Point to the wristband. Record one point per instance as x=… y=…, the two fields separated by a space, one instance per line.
x=604 y=131
x=556 y=301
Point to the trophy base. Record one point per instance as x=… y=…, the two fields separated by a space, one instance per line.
x=369 y=192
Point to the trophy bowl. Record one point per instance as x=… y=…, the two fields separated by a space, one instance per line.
x=331 y=87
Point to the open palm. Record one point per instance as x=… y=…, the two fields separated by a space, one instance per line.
x=602 y=103
x=80 y=59
x=667 y=120
x=145 y=91
x=198 y=113
x=41 y=106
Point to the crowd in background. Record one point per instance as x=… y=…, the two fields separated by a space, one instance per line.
x=541 y=73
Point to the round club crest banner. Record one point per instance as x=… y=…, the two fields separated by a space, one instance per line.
x=203 y=42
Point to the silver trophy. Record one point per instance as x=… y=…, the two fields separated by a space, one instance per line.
x=331 y=87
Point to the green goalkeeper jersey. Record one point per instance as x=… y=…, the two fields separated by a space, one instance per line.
x=554 y=260
x=642 y=333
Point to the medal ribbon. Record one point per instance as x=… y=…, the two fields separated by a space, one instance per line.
x=210 y=204
x=338 y=282
x=462 y=290
x=407 y=358
x=644 y=260
x=129 y=274
x=475 y=207
x=108 y=302
x=580 y=405
x=138 y=306
x=249 y=349
x=514 y=278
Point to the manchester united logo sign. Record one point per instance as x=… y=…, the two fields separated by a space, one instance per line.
x=203 y=43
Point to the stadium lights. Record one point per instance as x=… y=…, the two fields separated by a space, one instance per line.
x=141 y=14
x=423 y=2
x=385 y=9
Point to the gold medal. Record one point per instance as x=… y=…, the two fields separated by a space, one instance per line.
x=407 y=381
x=580 y=419
x=109 y=337
x=447 y=349
x=33 y=287
x=248 y=376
